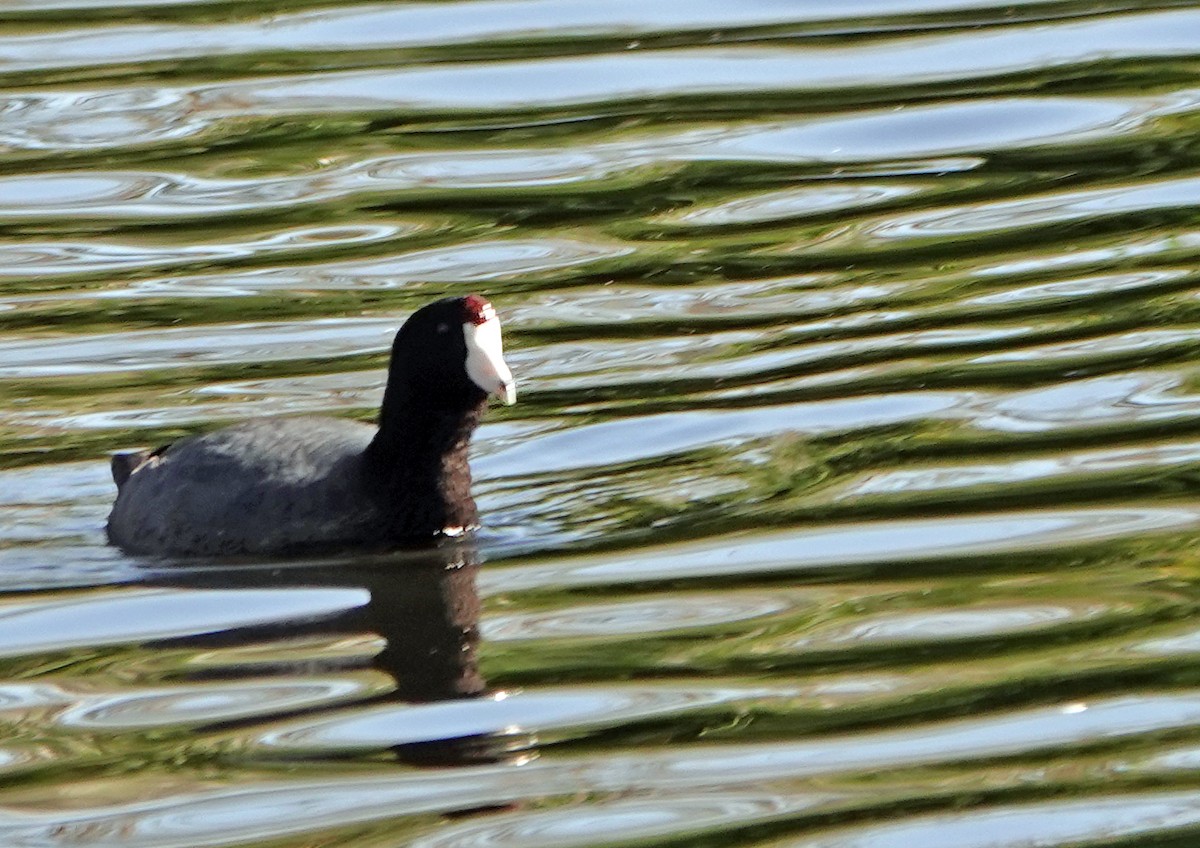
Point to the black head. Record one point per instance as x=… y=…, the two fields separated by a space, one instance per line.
x=448 y=355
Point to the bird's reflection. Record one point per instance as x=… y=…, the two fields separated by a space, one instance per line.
x=422 y=603
x=427 y=612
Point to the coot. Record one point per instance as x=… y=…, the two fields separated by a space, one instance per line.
x=294 y=485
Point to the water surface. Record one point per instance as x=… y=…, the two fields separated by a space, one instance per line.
x=849 y=501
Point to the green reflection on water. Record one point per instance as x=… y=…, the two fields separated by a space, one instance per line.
x=744 y=321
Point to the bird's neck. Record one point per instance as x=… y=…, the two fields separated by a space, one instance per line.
x=418 y=466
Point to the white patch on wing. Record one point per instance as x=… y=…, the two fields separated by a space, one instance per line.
x=485 y=360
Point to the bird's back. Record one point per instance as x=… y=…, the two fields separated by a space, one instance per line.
x=265 y=486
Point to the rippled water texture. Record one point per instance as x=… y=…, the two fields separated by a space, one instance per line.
x=850 y=497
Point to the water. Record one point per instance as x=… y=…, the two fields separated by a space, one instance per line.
x=849 y=500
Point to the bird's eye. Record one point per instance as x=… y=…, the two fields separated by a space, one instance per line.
x=443 y=328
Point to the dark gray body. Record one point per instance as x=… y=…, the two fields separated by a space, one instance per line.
x=266 y=486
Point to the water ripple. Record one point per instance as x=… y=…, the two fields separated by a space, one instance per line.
x=91 y=120
x=544 y=711
x=629 y=440
x=1036 y=825
x=1060 y=208
x=370 y=27
x=620 y=820
x=132 y=616
x=795 y=203
x=1136 y=397
x=1059 y=726
x=203 y=704
x=849 y=544
x=191 y=346
x=681 y=611
x=927 y=131
x=1084 y=287
x=261 y=810
x=36 y=258
x=965 y=475
x=947 y=625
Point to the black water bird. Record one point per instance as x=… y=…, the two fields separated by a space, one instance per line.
x=295 y=485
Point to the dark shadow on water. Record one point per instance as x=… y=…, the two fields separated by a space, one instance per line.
x=424 y=605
